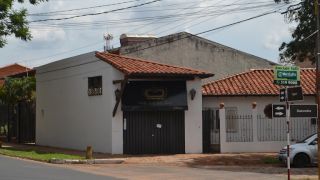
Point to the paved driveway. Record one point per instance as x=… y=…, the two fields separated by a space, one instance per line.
x=15 y=169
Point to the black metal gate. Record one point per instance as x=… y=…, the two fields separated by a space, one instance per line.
x=153 y=132
x=17 y=123
x=210 y=130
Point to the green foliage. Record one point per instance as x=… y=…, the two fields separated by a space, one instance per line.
x=18 y=89
x=300 y=48
x=14 y=22
x=34 y=154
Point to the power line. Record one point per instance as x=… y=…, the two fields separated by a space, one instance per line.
x=78 y=9
x=188 y=36
x=166 y=18
x=160 y=27
x=84 y=8
x=192 y=5
x=60 y=53
x=190 y=20
x=207 y=31
x=312 y=34
x=94 y=14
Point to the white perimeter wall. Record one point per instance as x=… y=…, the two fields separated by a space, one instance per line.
x=244 y=103
x=244 y=107
x=66 y=116
x=193 y=119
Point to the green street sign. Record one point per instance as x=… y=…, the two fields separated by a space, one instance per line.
x=287 y=75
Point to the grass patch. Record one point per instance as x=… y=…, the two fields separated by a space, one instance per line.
x=270 y=160
x=36 y=155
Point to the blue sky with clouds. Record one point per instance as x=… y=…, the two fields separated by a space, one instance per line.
x=54 y=40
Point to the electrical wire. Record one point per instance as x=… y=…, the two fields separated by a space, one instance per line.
x=169 y=18
x=188 y=36
x=79 y=9
x=94 y=14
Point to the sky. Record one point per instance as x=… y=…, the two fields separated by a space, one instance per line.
x=58 y=39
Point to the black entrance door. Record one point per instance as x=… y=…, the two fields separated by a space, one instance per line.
x=153 y=132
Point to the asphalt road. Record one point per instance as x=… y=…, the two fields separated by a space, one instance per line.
x=15 y=169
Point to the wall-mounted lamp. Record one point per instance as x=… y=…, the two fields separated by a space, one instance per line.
x=193 y=93
x=117 y=94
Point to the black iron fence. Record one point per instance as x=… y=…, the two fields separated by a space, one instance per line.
x=3 y=121
x=17 y=123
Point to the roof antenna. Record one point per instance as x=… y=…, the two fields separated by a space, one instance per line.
x=108 y=38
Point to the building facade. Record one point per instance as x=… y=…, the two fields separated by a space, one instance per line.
x=242 y=125
x=188 y=50
x=119 y=105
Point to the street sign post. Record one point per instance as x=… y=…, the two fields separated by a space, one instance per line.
x=283 y=95
x=294 y=93
x=287 y=75
x=278 y=110
x=304 y=110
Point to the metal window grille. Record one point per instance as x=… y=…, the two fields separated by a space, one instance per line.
x=95 y=86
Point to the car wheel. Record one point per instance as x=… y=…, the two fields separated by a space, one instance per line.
x=300 y=160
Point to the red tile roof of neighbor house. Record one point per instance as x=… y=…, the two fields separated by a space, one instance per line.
x=140 y=68
x=256 y=82
x=12 y=70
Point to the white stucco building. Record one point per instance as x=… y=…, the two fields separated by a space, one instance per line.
x=241 y=125
x=119 y=105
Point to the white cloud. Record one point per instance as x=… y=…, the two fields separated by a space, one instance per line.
x=261 y=37
x=48 y=35
x=274 y=39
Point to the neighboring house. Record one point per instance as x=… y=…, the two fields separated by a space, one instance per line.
x=22 y=119
x=188 y=50
x=14 y=70
x=118 y=104
x=249 y=125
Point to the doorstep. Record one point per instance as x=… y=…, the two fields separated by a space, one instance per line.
x=86 y=161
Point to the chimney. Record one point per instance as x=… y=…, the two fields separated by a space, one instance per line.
x=127 y=40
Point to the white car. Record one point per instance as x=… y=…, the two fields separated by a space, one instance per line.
x=302 y=153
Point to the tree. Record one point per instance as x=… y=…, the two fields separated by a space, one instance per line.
x=14 y=22
x=302 y=47
x=15 y=90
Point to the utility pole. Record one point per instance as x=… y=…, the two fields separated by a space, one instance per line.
x=316 y=2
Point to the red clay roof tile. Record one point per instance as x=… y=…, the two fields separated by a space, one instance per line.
x=138 y=67
x=12 y=70
x=256 y=82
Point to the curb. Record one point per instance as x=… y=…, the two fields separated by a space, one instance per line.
x=86 y=161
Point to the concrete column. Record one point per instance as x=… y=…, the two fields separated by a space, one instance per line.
x=193 y=118
x=223 y=134
x=255 y=122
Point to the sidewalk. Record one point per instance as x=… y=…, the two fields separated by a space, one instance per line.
x=58 y=150
x=253 y=159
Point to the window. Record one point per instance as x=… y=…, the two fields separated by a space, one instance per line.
x=95 y=86
x=232 y=119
